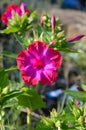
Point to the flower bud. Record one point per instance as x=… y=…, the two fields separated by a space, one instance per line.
x=85 y=120
x=24 y=9
x=76 y=38
x=52 y=43
x=77 y=102
x=43 y=18
x=53 y=22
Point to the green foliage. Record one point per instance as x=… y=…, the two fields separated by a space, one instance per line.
x=77 y=95
x=30 y=98
x=19 y=24
x=84 y=87
x=72 y=118
x=8 y=54
x=5 y=94
x=41 y=126
x=4 y=81
x=56 y=39
x=11 y=68
x=8 y=96
x=23 y=40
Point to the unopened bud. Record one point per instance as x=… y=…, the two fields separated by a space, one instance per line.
x=76 y=38
x=42 y=20
x=53 y=22
x=52 y=43
x=77 y=102
x=85 y=120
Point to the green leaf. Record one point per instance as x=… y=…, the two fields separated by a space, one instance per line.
x=84 y=87
x=32 y=17
x=22 y=40
x=11 y=68
x=33 y=14
x=9 y=96
x=68 y=44
x=47 y=121
x=30 y=98
x=67 y=117
x=10 y=103
x=24 y=19
x=67 y=50
x=28 y=27
x=4 y=81
x=42 y=126
x=10 y=30
x=8 y=54
x=77 y=95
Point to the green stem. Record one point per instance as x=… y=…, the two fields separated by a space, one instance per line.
x=63 y=102
x=29 y=119
x=37 y=87
x=15 y=35
x=1 y=121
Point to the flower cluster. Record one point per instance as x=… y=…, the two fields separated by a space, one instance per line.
x=39 y=63
x=12 y=10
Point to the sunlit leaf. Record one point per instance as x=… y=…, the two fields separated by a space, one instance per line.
x=11 y=68
x=9 y=96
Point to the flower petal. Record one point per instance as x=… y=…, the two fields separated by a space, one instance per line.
x=23 y=60
x=30 y=77
x=53 y=56
x=37 y=48
x=48 y=76
x=4 y=18
x=24 y=9
x=12 y=7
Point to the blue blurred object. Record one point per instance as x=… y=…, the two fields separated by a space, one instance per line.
x=54 y=94
x=72 y=4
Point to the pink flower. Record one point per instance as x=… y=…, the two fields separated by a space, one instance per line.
x=11 y=10
x=39 y=63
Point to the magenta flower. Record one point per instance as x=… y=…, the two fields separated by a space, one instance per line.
x=76 y=38
x=11 y=10
x=39 y=63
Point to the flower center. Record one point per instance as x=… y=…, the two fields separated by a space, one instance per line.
x=39 y=63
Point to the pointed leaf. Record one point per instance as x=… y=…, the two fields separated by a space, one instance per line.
x=22 y=40
x=11 y=30
x=77 y=95
x=8 y=54
x=4 y=81
x=10 y=95
x=10 y=103
x=42 y=126
x=31 y=99
x=11 y=68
